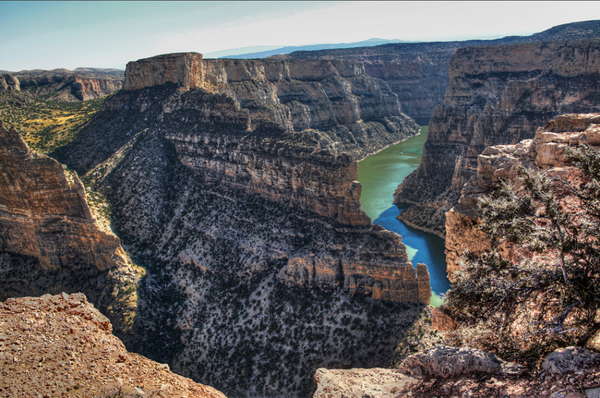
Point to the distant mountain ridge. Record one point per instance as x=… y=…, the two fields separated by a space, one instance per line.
x=91 y=73
x=313 y=47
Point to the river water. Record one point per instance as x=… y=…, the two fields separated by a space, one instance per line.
x=379 y=175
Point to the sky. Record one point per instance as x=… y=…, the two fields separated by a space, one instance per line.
x=108 y=34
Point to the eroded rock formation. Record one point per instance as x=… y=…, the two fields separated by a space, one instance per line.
x=497 y=95
x=9 y=83
x=545 y=152
x=239 y=194
x=418 y=72
x=82 y=84
x=62 y=346
x=49 y=240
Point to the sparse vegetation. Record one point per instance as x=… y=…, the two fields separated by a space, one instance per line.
x=537 y=288
x=45 y=125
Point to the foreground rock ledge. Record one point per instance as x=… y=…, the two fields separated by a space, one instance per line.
x=55 y=346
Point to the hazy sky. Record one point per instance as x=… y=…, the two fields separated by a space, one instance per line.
x=48 y=35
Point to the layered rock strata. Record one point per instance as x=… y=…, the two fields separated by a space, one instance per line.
x=334 y=101
x=497 y=95
x=82 y=84
x=62 y=346
x=545 y=152
x=237 y=193
x=49 y=240
x=418 y=72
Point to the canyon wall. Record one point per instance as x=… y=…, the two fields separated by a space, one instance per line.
x=82 y=84
x=418 y=72
x=545 y=152
x=50 y=242
x=497 y=95
x=238 y=192
x=334 y=101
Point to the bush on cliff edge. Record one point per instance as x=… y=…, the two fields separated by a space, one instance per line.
x=537 y=288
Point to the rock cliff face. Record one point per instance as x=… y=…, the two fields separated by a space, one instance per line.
x=334 y=101
x=49 y=240
x=497 y=95
x=9 y=83
x=238 y=194
x=546 y=151
x=418 y=72
x=64 y=85
x=62 y=346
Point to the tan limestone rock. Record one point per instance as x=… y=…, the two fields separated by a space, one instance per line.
x=546 y=151
x=497 y=95
x=184 y=69
x=361 y=383
x=50 y=241
x=62 y=346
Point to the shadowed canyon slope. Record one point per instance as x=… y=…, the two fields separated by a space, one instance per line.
x=497 y=95
x=418 y=72
x=234 y=183
x=50 y=241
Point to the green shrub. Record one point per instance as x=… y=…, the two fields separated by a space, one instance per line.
x=546 y=294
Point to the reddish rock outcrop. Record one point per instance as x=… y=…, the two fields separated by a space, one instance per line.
x=61 y=345
x=546 y=151
x=49 y=239
x=497 y=95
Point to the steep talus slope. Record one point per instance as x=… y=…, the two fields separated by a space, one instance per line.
x=418 y=72
x=82 y=84
x=50 y=242
x=58 y=346
x=262 y=265
x=497 y=95
x=545 y=152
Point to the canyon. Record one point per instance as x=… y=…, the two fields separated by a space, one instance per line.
x=418 y=72
x=233 y=182
x=497 y=95
x=244 y=259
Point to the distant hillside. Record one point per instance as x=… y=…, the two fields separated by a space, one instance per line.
x=90 y=73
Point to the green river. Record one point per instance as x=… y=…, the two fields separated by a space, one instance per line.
x=380 y=175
